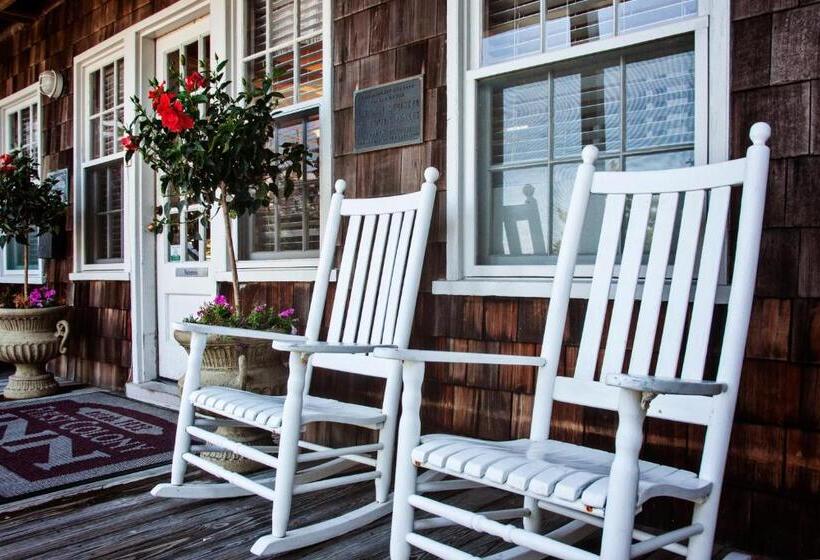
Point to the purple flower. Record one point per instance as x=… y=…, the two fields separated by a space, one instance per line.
x=35 y=297
x=51 y=293
x=287 y=313
x=259 y=308
x=221 y=300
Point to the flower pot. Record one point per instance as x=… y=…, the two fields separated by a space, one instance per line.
x=28 y=339
x=263 y=371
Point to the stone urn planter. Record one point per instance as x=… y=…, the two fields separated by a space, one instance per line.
x=28 y=339
x=249 y=364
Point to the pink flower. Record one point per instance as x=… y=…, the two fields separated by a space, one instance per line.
x=51 y=293
x=287 y=313
x=221 y=301
x=35 y=298
x=259 y=308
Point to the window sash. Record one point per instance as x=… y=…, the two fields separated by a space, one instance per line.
x=470 y=75
x=21 y=124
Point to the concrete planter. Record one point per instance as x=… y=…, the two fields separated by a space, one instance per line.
x=241 y=363
x=28 y=339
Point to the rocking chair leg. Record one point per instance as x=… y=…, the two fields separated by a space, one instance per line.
x=288 y=446
x=700 y=546
x=182 y=444
x=534 y=521
x=387 y=435
x=619 y=517
x=406 y=472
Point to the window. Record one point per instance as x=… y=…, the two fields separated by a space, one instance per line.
x=101 y=189
x=287 y=36
x=20 y=130
x=289 y=225
x=538 y=80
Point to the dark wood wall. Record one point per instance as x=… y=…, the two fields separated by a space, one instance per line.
x=100 y=342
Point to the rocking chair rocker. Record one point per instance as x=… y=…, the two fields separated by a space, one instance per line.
x=374 y=302
x=591 y=487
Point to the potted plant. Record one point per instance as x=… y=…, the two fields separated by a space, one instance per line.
x=33 y=328
x=212 y=148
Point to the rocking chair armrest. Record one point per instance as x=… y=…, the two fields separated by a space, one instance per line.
x=237 y=332
x=664 y=386
x=410 y=355
x=318 y=347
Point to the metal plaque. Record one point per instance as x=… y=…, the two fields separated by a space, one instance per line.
x=192 y=272
x=389 y=115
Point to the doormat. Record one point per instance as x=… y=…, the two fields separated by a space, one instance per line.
x=60 y=441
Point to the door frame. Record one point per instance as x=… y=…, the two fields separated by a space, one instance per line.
x=140 y=55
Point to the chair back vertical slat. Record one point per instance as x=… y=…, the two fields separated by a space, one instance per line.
x=680 y=288
x=373 y=276
x=628 y=274
x=655 y=279
x=599 y=290
x=380 y=312
x=394 y=292
x=343 y=281
x=714 y=235
x=360 y=275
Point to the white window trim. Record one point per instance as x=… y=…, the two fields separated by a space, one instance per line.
x=712 y=52
x=300 y=267
x=84 y=64
x=24 y=98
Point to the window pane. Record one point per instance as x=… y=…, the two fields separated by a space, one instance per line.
x=255 y=14
x=172 y=70
x=255 y=70
x=103 y=206
x=587 y=109
x=120 y=82
x=191 y=58
x=511 y=29
x=310 y=17
x=661 y=93
x=637 y=14
x=519 y=119
x=94 y=137
x=519 y=219
x=108 y=87
x=94 y=93
x=14 y=131
x=283 y=62
x=14 y=254
x=25 y=127
x=310 y=69
x=281 y=23
x=570 y=22
x=109 y=132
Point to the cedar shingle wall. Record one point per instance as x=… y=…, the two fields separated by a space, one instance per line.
x=100 y=341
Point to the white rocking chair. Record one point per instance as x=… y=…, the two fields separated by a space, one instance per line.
x=374 y=302
x=595 y=488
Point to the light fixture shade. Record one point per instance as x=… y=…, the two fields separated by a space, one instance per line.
x=51 y=84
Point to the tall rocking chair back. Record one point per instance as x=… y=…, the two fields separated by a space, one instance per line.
x=661 y=265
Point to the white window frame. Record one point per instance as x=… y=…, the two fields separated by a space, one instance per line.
x=26 y=97
x=85 y=64
x=294 y=266
x=465 y=276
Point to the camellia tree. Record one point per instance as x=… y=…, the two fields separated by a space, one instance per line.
x=28 y=206
x=213 y=149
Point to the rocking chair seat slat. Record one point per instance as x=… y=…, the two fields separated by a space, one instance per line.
x=566 y=474
x=265 y=411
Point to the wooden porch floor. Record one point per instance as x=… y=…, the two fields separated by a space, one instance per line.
x=126 y=522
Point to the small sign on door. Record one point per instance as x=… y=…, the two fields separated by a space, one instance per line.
x=192 y=272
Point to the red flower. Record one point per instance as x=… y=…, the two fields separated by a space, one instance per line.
x=130 y=143
x=194 y=81
x=155 y=94
x=172 y=113
x=6 y=163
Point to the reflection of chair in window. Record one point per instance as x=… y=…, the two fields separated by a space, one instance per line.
x=518 y=228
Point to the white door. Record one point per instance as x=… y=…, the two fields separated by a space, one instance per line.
x=185 y=277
